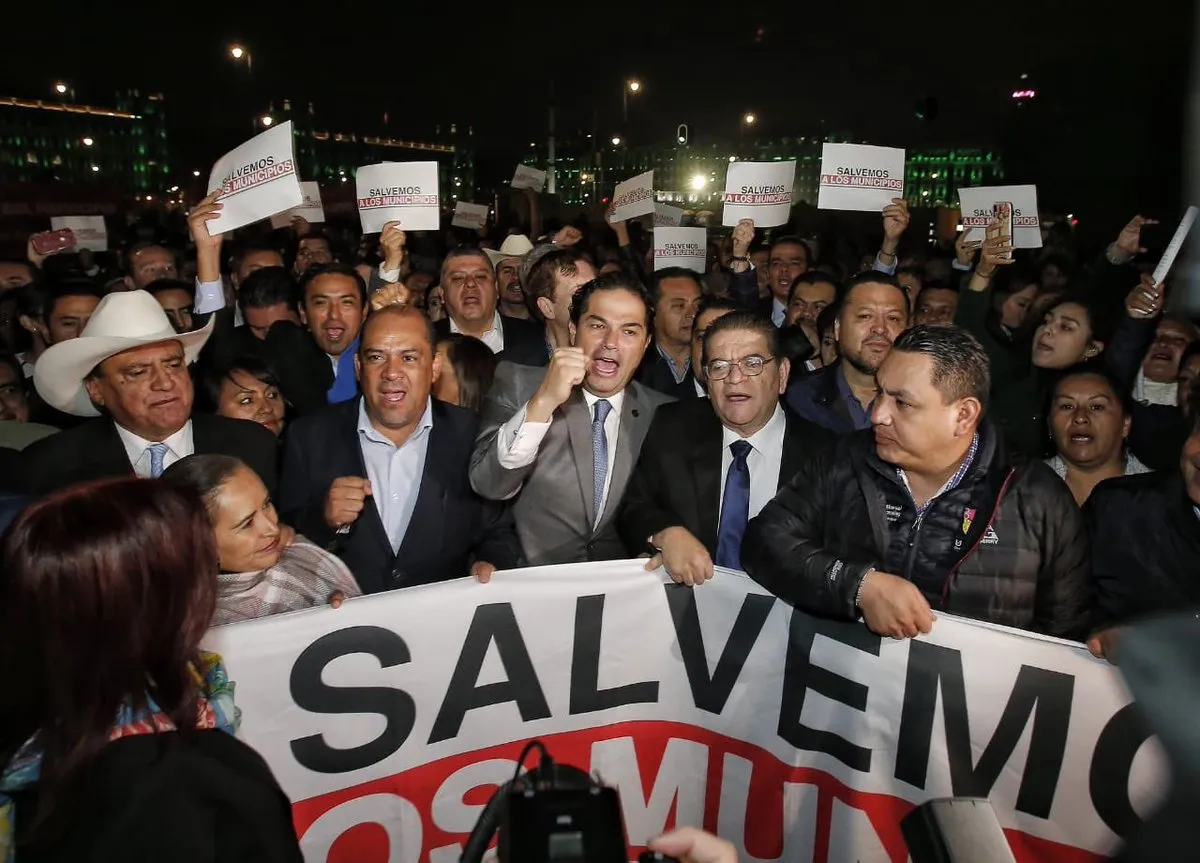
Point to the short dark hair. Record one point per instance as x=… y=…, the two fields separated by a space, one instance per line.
x=873 y=277
x=252 y=247
x=960 y=364
x=1192 y=350
x=793 y=240
x=711 y=302
x=742 y=320
x=68 y=288
x=1097 y=370
x=815 y=277
x=937 y=285
x=465 y=252
x=203 y=474
x=474 y=367
x=268 y=287
x=544 y=273
x=611 y=282
x=335 y=269
x=123 y=569
x=826 y=320
x=159 y=286
x=212 y=378
x=672 y=273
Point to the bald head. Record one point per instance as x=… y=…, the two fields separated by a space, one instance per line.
x=396 y=316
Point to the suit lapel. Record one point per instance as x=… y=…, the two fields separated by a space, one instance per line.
x=353 y=464
x=635 y=422
x=793 y=450
x=705 y=463
x=425 y=528
x=108 y=453
x=579 y=431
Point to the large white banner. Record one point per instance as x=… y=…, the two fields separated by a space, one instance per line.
x=390 y=721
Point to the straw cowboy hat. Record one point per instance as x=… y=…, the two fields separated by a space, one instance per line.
x=514 y=246
x=123 y=320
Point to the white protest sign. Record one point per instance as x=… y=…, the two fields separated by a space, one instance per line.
x=310 y=208
x=466 y=215
x=404 y=192
x=633 y=198
x=680 y=247
x=90 y=232
x=258 y=178
x=667 y=216
x=860 y=177
x=761 y=191
x=527 y=177
x=718 y=706
x=976 y=205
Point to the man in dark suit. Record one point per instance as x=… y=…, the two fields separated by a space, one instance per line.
x=385 y=476
x=469 y=284
x=667 y=366
x=563 y=440
x=709 y=465
x=129 y=369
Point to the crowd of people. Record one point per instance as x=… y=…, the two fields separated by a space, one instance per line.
x=213 y=428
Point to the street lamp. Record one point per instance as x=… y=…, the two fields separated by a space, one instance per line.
x=699 y=181
x=616 y=140
x=88 y=141
x=241 y=52
x=749 y=118
x=195 y=173
x=60 y=88
x=634 y=86
x=267 y=120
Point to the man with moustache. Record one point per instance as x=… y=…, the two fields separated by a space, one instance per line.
x=928 y=512
x=874 y=312
x=709 y=465
x=384 y=476
x=563 y=440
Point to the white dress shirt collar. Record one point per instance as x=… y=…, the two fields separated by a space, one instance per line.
x=778 y=312
x=615 y=400
x=137 y=449
x=493 y=338
x=769 y=438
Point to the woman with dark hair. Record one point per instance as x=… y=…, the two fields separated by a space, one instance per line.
x=1090 y=417
x=468 y=369
x=263 y=566
x=116 y=731
x=244 y=388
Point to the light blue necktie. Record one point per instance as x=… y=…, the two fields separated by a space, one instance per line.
x=158 y=452
x=599 y=454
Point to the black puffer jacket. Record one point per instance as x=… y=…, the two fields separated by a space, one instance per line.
x=1007 y=545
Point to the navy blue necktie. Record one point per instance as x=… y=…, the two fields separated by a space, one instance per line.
x=735 y=508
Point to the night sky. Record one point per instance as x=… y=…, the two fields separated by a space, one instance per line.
x=856 y=65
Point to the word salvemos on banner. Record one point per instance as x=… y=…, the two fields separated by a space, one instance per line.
x=257 y=179
x=719 y=706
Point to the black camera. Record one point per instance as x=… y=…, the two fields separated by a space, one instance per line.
x=553 y=814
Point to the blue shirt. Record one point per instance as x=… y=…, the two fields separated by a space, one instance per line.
x=345 y=383
x=860 y=417
x=676 y=372
x=395 y=472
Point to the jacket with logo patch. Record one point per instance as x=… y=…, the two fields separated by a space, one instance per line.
x=1007 y=545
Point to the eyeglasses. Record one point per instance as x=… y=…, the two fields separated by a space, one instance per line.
x=751 y=367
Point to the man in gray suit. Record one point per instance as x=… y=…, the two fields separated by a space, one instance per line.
x=566 y=437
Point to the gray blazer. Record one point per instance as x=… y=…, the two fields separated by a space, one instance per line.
x=554 y=510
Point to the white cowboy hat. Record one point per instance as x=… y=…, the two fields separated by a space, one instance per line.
x=514 y=246
x=122 y=320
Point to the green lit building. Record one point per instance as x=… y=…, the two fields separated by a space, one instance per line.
x=330 y=157
x=693 y=175
x=124 y=146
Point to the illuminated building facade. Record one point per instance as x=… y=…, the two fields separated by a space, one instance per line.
x=694 y=174
x=124 y=146
x=329 y=157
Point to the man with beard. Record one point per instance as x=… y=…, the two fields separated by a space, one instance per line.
x=562 y=440
x=874 y=312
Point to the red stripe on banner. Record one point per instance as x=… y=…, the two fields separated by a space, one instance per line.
x=762 y=833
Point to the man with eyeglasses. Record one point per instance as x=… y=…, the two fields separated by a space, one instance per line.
x=709 y=465
x=468 y=281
